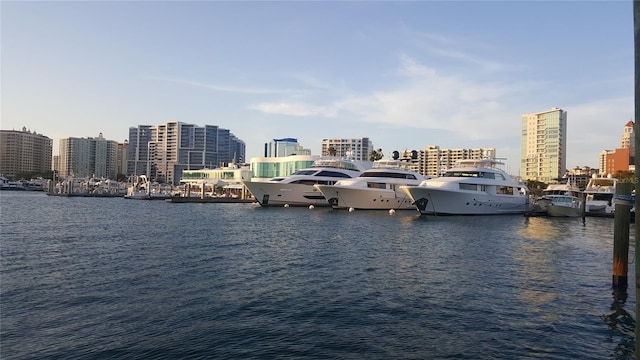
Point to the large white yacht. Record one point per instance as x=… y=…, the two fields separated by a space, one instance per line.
x=472 y=187
x=297 y=189
x=375 y=189
x=599 y=193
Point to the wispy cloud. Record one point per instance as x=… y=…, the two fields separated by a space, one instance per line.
x=227 y=88
x=295 y=109
x=425 y=99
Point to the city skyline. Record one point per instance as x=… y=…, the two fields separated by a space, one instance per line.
x=404 y=74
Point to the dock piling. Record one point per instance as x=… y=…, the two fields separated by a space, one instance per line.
x=622 y=219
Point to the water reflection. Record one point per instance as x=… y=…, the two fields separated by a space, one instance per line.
x=621 y=326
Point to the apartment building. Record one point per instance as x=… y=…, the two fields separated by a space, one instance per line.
x=162 y=152
x=355 y=149
x=87 y=157
x=23 y=152
x=543 y=148
x=434 y=161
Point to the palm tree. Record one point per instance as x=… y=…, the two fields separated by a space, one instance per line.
x=332 y=151
x=375 y=155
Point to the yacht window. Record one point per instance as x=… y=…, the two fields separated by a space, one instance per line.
x=304 y=182
x=505 y=190
x=488 y=175
x=469 y=187
x=461 y=174
x=389 y=175
x=376 y=185
x=333 y=174
x=305 y=172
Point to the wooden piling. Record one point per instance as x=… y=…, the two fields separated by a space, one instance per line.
x=636 y=138
x=622 y=219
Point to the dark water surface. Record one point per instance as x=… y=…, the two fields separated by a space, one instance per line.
x=86 y=278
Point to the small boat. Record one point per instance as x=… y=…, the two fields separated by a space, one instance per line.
x=564 y=206
x=143 y=189
x=551 y=190
x=377 y=188
x=6 y=184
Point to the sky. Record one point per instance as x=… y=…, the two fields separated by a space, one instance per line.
x=406 y=74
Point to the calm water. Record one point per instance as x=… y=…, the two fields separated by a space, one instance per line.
x=114 y=278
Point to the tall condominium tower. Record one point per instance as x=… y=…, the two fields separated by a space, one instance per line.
x=23 y=152
x=163 y=151
x=543 y=151
x=88 y=157
x=356 y=149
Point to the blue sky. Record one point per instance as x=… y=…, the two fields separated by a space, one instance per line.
x=406 y=74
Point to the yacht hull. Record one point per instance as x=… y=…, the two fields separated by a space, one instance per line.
x=344 y=197
x=563 y=211
x=281 y=194
x=433 y=201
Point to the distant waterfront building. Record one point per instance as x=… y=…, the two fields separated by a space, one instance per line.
x=24 y=152
x=622 y=158
x=434 y=161
x=355 y=149
x=628 y=138
x=87 y=157
x=265 y=168
x=228 y=178
x=543 y=148
x=163 y=152
x=284 y=147
x=121 y=158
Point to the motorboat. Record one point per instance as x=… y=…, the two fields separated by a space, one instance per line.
x=297 y=189
x=599 y=195
x=375 y=189
x=565 y=189
x=6 y=184
x=143 y=189
x=471 y=187
x=564 y=205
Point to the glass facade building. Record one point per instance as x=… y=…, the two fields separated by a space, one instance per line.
x=163 y=152
x=265 y=168
x=543 y=147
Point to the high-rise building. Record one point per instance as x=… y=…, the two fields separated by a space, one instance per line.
x=284 y=147
x=627 y=140
x=433 y=161
x=543 y=150
x=88 y=157
x=621 y=159
x=163 y=151
x=23 y=152
x=355 y=149
x=121 y=157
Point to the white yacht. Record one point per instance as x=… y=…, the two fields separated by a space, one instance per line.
x=562 y=189
x=472 y=187
x=599 y=193
x=375 y=189
x=297 y=189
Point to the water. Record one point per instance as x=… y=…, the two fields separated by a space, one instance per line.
x=86 y=278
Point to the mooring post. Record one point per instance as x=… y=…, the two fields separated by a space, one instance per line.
x=636 y=138
x=622 y=218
